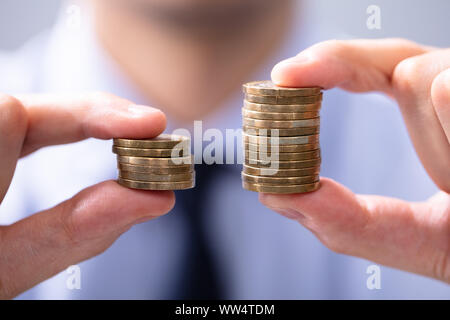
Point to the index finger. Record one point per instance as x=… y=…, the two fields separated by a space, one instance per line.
x=354 y=65
x=59 y=119
x=29 y=122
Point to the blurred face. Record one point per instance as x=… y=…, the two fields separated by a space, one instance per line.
x=205 y=13
x=195 y=4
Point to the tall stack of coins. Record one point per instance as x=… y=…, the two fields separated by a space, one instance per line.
x=161 y=163
x=281 y=138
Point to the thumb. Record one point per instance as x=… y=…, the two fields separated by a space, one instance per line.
x=333 y=213
x=408 y=236
x=44 y=244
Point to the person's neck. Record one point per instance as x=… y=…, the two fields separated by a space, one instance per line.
x=188 y=74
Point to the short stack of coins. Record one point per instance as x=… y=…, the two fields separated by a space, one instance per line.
x=281 y=138
x=161 y=163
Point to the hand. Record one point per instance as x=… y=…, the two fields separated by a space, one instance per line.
x=411 y=236
x=46 y=243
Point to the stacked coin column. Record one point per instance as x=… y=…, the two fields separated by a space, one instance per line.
x=161 y=163
x=281 y=138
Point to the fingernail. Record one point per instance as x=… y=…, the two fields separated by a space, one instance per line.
x=295 y=61
x=141 y=110
x=300 y=59
x=283 y=68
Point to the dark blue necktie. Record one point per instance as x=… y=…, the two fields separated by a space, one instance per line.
x=198 y=278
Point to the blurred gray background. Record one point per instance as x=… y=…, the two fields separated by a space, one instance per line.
x=419 y=20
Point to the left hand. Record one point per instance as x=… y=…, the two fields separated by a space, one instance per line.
x=45 y=243
x=406 y=235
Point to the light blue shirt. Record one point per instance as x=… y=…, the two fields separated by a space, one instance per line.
x=262 y=255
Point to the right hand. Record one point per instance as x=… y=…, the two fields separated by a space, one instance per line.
x=38 y=247
x=411 y=236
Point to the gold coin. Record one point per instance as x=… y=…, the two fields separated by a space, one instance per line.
x=143 y=185
x=260 y=155
x=265 y=188
x=269 y=124
x=139 y=176
x=279 y=115
x=281 y=132
x=164 y=162
x=281 y=148
x=154 y=153
x=155 y=170
x=268 y=88
x=163 y=141
x=300 y=172
x=279 y=181
x=283 y=164
x=283 y=100
x=281 y=108
x=255 y=139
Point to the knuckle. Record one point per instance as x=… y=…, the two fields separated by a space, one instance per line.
x=407 y=75
x=330 y=48
x=97 y=104
x=6 y=99
x=101 y=98
x=326 y=50
x=333 y=244
x=98 y=98
x=14 y=112
x=100 y=95
x=70 y=233
x=329 y=238
x=402 y=43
